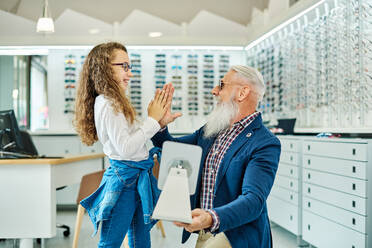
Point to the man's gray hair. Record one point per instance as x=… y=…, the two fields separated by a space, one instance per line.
x=253 y=76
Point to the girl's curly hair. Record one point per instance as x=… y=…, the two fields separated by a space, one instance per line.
x=97 y=78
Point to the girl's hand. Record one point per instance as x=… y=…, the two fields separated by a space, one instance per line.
x=158 y=105
x=169 y=116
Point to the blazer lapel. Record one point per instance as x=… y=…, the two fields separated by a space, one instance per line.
x=245 y=136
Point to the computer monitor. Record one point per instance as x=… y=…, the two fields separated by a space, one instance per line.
x=10 y=135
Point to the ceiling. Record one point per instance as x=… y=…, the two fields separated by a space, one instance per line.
x=110 y=11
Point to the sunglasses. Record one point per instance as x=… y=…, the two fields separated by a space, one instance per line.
x=126 y=66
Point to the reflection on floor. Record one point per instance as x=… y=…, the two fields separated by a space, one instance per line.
x=281 y=237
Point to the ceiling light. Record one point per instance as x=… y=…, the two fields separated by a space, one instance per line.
x=94 y=31
x=45 y=23
x=155 y=34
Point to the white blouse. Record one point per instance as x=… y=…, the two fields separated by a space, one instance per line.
x=120 y=139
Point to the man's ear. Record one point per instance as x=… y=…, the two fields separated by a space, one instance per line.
x=243 y=93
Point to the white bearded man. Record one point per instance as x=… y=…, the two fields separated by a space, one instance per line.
x=238 y=167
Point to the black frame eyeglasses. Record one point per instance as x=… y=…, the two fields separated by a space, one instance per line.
x=126 y=66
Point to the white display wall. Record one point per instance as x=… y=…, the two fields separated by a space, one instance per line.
x=210 y=66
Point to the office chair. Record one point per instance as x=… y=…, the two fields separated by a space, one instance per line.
x=89 y=183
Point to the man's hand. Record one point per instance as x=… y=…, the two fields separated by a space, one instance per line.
x=168 y=116
x=201 y=219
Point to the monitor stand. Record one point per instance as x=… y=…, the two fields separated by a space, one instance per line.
x=174 y=200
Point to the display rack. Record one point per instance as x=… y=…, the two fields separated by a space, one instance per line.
x=318 y=68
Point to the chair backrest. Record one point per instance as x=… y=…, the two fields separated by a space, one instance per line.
x=89 y=183
x=156 y=168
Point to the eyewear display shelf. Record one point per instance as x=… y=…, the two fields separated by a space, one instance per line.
x=318 y=68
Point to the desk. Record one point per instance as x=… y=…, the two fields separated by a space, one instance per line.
x=28 y=193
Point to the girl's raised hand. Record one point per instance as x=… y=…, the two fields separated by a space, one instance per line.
x=158 y=106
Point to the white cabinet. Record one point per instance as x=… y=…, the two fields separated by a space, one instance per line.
x=322 y=191
x=61 y=145
x=336 y=203
x=284 y=202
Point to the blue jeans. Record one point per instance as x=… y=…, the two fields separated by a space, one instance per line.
x=126 y=217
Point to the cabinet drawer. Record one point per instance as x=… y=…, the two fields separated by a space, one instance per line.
x=290 y=145
x=286 y=182
x=57 y=145
x=337 y=215
x=345 y=184
x=352 y=151
x=325 y=234
x=346 y=201
x=348 y=168
x=289 y=158
x=285 y=195
x=287 y=170
x=284 y=214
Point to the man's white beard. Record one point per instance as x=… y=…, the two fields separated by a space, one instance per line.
x=220 y=118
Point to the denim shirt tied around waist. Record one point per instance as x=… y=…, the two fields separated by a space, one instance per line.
x=102 y=201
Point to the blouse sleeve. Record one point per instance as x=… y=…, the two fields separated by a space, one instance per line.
x=126 y=143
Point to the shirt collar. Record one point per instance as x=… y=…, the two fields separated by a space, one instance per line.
x=244 y=122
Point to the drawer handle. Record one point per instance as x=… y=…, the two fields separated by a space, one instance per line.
x=354 y=169
x=308 y=227
x=309 y=204
x=291 y=158
x=354 y=221
x=308 y=147
x=308 y=175
x=354 y=151
x=308 y=161
x=66 y=151
x=354 y=186
x=291 y=217
x=353 y=204
x=308 y=190
x=291 y=197
x=291 y=184
x=291 y=145
x=291 y=171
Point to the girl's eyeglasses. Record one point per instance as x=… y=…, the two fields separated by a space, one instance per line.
x=125 y=66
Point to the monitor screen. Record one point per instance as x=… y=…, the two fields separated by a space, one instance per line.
x=10 y=136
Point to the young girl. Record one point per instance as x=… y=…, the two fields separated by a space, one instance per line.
x=127 y=194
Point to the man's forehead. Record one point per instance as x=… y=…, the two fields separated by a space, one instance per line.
x=229 y=75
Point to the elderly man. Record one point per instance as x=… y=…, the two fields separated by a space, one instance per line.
x=239 y=162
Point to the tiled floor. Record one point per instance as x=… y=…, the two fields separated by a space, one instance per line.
x=281 y=237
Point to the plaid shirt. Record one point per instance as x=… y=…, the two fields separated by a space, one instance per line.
x=222 y=143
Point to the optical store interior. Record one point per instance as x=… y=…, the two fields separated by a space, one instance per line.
x=316 y=60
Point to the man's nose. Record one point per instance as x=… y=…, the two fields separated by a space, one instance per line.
x=215 y=90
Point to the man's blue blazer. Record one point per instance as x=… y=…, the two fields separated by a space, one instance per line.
x=244 y=180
